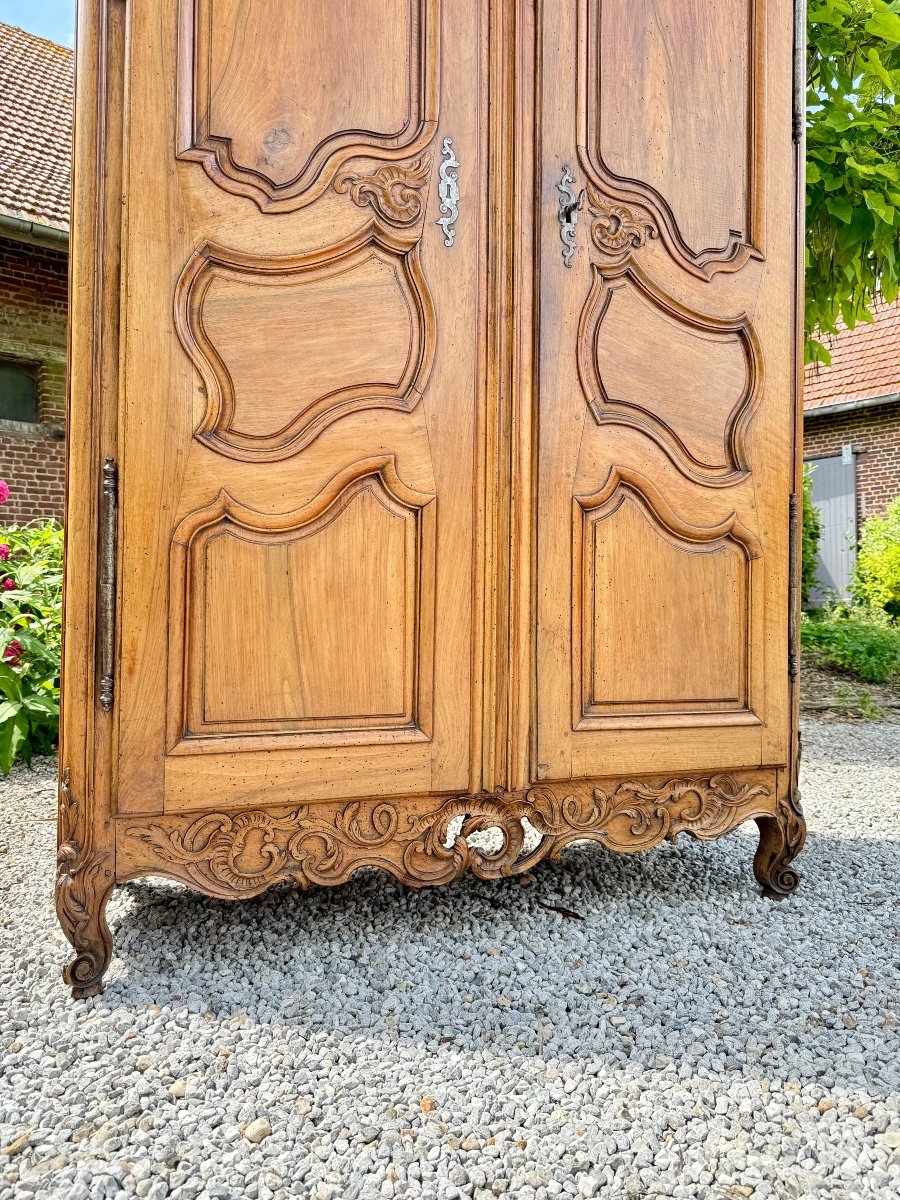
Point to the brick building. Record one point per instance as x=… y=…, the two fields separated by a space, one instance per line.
x=851 y=426
x=35 y=160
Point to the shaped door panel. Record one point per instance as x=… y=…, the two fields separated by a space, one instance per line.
x=275 y=98
x=340 y=330
x=688 y=380
x=345 y=591
x=642 y=576
x=671 y=111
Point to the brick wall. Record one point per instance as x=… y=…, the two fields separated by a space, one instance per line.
x=33 y=306
x=874 y=434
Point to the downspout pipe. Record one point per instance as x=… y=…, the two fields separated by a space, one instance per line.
x=21 y=230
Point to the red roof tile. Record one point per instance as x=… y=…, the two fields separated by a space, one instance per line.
x=36 y=87
x=865 y=363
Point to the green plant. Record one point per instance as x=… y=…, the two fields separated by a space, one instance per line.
x=30 y=634
x=847 y=699
x=812 y=532
x=852 y=163
x=868 y=709
x=857 y=639
x=843 y=699
x=876 y=576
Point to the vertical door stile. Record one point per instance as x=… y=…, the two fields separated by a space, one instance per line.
x=508 y=430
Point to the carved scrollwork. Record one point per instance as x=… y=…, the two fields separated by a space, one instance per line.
x=655 y=814
x=84 y=879
x=781 y=838
x=394 y=191
x=617 y=231
x=242 y=853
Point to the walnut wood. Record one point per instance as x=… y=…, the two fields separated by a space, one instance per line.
x=412 y=533
x=243 y=853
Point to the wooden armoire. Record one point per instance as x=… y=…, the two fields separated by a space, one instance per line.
x=433 y=439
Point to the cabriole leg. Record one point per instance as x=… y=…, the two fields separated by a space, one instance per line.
x=84 y=881
x=83 y=886
x=781 y=839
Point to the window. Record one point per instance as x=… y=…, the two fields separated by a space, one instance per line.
x=18 y=391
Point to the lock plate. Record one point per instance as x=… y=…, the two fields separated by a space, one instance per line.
x=570 y=204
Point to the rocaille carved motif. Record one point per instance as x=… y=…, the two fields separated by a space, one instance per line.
x=394 y=191
x=243 y=853
x=617 y=231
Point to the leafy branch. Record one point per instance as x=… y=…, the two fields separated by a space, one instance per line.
x=852 y=164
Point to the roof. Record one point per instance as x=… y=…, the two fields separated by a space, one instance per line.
x=865 y=363
x=36 y=94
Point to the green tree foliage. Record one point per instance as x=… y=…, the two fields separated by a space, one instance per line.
x=852 y=163
x=812 y=532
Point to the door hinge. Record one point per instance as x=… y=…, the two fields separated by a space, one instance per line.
x=794 y=565
x=106 y=615
x=799 y=104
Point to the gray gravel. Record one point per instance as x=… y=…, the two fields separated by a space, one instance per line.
x=687 y=1038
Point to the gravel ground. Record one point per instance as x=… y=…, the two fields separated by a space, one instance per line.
x=686 y=1038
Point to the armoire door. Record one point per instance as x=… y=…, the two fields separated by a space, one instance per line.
x=300 y=400
x=666 y=455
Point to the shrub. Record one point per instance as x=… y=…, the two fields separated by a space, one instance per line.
x=876 y=577
x=864 y=641
x=812 y=532
x=30 y=633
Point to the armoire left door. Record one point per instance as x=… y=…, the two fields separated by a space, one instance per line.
x=300 y=402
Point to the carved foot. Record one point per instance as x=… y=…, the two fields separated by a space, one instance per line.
x=83 y=886
x=781 y=839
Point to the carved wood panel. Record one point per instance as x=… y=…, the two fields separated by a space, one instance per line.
x=429 y=841
x=687 y=380
x=343 y=589
x=642 y=576
x=671 y=110
x=338 y=330
x=270 y=108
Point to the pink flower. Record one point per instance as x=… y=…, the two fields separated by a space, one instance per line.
x=4 y=491
x=4 y=552
x=13 y=652
x=8 y=585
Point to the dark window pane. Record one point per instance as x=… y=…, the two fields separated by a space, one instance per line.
x=18 y=392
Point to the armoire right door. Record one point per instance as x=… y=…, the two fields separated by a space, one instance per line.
x=666 y=441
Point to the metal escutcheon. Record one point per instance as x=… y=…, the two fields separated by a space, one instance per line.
x=448 y=190
x=570 y=204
